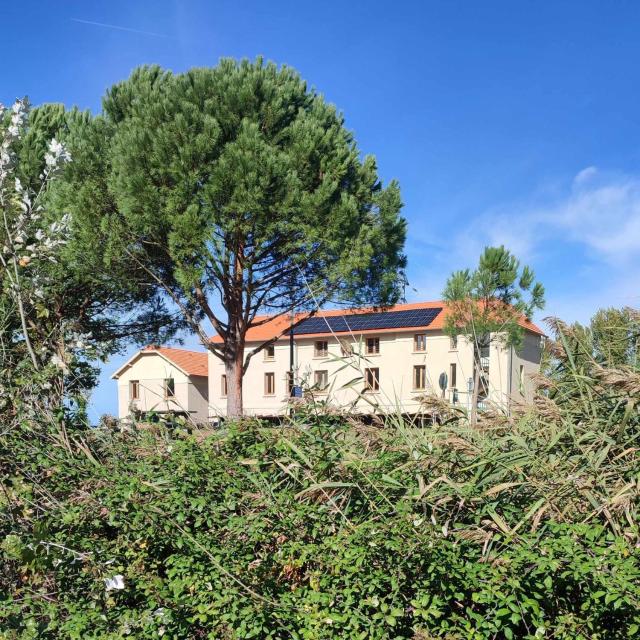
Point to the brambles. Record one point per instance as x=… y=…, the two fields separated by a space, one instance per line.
x=323 y=529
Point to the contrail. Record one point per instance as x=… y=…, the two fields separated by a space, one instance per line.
x=119 y=28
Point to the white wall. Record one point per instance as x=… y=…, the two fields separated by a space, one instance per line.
x=528 y=356
x=151 y=370
x=395 y=361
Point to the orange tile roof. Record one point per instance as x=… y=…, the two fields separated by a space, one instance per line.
x=280 y=324
x=193 y=363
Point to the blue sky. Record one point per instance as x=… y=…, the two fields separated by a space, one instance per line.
x=504 y=122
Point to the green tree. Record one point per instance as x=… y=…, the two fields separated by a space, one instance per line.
x=53 y=295
x=488 y=304
x=616 y=337
x=609 y=343
x=237 y=190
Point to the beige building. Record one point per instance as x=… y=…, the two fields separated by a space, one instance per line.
x=367 y=361
x=164 y=380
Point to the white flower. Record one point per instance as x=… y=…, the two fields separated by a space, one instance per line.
x=115 y=583
x=57 y=361
x=57 y=153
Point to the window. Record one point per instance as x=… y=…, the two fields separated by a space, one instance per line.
x=169 y=388
x=373 y=346
x=270 y=352
x=321 y=379
x=269 y=383
x=134 y=390
x=521 y=379
x=452 y=375
x=372 y=379
x=345 y=349
x=453 y=343
x=223 y=385
x=420 y=342
x=419 y=377
x=321 y=349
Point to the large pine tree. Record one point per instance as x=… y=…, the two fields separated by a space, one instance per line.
x=238 y=190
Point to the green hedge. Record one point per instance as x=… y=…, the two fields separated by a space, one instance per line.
x=319 y=529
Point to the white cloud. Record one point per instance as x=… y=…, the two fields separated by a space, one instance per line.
x=599 y=211
x=585 y=175
x=604 y=215
x=594 y=220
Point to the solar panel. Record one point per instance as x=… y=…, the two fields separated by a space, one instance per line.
x=355 y=322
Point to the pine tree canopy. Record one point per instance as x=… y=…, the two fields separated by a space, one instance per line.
x=492 y=299
x=239 y=171
x=237 y=190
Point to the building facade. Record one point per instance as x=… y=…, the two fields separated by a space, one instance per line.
x=164 y=380
x=376 y=362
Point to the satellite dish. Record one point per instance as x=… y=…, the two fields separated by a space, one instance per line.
x=442 y=381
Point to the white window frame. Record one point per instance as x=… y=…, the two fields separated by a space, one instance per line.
x=320 y=353
x=269 y=375
x=169 y=382
x=321 y=373
x=376 y=346
x=374 y=385
x=423 y=369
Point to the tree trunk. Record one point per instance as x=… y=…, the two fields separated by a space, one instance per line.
x=233 y=371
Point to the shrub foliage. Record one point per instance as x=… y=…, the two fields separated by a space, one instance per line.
x=526 y=527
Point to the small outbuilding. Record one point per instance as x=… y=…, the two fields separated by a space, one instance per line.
x=164 y=380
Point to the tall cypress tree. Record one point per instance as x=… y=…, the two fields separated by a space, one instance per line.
x=238 y=190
